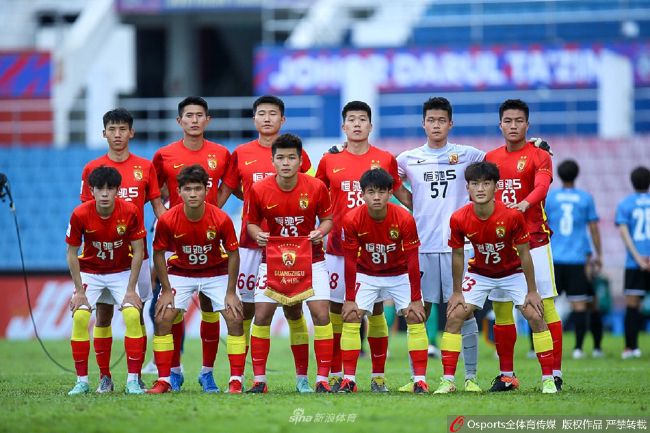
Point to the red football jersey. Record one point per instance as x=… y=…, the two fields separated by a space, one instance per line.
x=517 y=172
x=170 y=160
x=198 y=246
x=250 y=163
x=290 y=213
x=494 y=239
x=381 y=244
x=106 y=242
x=341 y=173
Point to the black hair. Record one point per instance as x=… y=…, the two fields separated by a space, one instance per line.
x=377 y=178
x=192 y=174
x=287 y=141
x=118 y=115
x=514 y=104
x=357 y=106
x=640 y=178
x=483 y=170
x=568 y=170
x=192 y=100
x=269 y=99
x=105 y=176
x=437 y=103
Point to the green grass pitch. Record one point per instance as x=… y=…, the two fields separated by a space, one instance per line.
x=33 y=394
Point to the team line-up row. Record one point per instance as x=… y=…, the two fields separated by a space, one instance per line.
x=376 y=250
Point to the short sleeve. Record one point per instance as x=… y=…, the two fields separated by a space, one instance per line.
x=622 y=214
x=324 y=202
x=232 y=177
x=136 y=225
x=410 y=238
x=401 y=165
x=392 y=170
x=85 y=194
x=456 y=234
x=229 y=237
x=321 y=172
x=306 y=163
x=153 y=190
x=161 y=240
x=159 y=168
x=254 y=212
x=350 y=240
x=592 y=216
x=75 y=230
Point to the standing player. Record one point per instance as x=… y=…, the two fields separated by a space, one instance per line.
x=192 y=149
x=341 y=173
x=571 y=211
x=381 y=261
x=526 y=173
x=501 y=253
x=434 y=171
x=112 y=235
x=290 y=202
x=250 y=163
x=633 y=221
x=205 y=258
x=139 y=185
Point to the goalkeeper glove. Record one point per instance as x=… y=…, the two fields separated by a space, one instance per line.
x=538 y=142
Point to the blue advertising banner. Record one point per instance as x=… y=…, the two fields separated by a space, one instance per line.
x=320 y=71
x=25 y=74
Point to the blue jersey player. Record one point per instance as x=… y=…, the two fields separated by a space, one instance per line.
x=633 y=221
x=572 y=214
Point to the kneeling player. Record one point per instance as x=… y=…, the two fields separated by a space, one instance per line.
x=205 y=259
x=501 y=253
x=381 y=261
x=112 y=234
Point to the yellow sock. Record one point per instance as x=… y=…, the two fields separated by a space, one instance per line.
x=337 y=323
x=416 y=336
x=236 y=345
x=451 y=342
x=247 y=330
x=132 y=321
x=102 y=332
x=163 y=343
x=503 y=313
x=80 y=321
x=209 y=316
x=178 y=319
x=350 y=339
x=298 y=331
x=261 y=331
x=323 y=332
x=542 y=341
x=550 y=312
x=377 y=326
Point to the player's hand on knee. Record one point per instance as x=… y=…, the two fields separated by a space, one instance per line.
x=131 y=299
x=350 y=311
x=165 y=301
x=415 y=312
x=234 y=305
x=540 y=143
x=457 y=300
x=78 y=301
x=534 y=301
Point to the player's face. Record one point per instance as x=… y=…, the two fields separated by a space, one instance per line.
x=194 y=120
x=104 y=196
x=481 y=191
x=357 y=126
x=514 y=125
x=118 y=135
x=376 y=198
x=436 y=125
x=268 y=119
x=287 y=162
x=193 y=194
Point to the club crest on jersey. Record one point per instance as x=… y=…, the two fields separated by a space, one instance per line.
x=137 y=172
x=521 y=163
x=304 y=201
x=453 y=158
x=393 y=233
x=501 y=231
x=211 y=233
x=289 y=258
x=121 y=227
x=375 y=164
x=212 y=162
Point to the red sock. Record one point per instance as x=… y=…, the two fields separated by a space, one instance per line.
x=378 y=350
x=449 y=362
x=237 y=364
x=419 y=360
x=337 y=354
x=103 y=354
x=163 y=360
x=556 y=334
x=546 y=361
x=260 y=348
x=209 y=342
x=178 y=331
x=133 y=349
x=350 y=358
x=301 y=358
x=323 y=350
x=144 y=352
x=505 y=337
x=80 y=352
